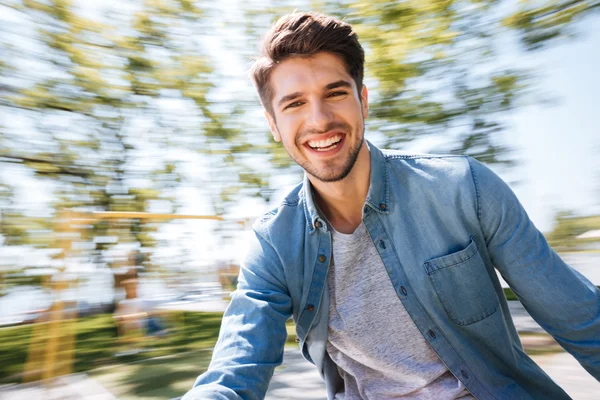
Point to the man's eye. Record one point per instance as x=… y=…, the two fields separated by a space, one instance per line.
x=337 y=94
x=294 y=104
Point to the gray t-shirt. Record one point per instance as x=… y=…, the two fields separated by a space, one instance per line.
x=378 y=349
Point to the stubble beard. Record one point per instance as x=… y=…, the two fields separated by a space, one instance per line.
x=329 y=175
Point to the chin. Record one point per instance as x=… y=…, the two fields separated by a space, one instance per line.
x=329 y=175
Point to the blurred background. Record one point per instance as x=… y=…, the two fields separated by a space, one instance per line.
x=134 y=157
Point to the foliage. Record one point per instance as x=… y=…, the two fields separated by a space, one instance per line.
x=114 y=90
x=82 y=109
x=108 y=107
x=540 y=22
x=568 y=226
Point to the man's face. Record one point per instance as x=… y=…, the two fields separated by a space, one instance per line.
x=318 y=115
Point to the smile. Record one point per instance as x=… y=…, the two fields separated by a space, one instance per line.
x=326 y=144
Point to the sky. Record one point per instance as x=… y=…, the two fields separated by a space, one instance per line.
x=560 y=145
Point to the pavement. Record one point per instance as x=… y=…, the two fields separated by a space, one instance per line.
x=296 y=379
x=569 y=375
x=70 y=387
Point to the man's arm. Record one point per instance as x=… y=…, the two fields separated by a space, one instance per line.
x=252 y=334
x=560 y=299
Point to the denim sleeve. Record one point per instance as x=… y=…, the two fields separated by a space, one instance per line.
x=252 y=334
x=561 y=300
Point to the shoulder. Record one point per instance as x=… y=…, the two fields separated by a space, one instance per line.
x=432 y=166
x=288 y=213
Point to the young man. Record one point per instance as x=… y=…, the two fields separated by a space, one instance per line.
x=386 y=260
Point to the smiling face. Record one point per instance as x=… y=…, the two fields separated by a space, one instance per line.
x=318 y=114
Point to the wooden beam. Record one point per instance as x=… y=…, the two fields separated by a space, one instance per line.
x=96 y=215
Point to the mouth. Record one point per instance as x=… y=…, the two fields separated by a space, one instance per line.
x=326 y=144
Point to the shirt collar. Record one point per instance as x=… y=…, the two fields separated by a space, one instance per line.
x=377 y=197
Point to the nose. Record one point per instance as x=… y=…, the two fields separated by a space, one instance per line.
x=320 y=116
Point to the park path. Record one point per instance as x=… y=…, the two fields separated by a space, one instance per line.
x=296 y=379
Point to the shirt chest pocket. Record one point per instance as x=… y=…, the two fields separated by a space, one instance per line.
x=463 y=285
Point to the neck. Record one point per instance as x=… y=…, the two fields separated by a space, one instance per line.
x=342 y=201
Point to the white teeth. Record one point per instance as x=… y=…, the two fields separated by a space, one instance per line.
x=319 y=144
x=326 y=148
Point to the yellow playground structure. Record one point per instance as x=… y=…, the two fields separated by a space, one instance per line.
x=52 y=342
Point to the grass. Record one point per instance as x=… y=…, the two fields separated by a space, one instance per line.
x=14 y=343
x=97 y=343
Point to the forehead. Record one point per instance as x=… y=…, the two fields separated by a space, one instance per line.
x=302 y=74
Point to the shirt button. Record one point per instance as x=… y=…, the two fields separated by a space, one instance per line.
x=318 y=224
x=432 y=333
x=403 y=290
x=382 y=244
x=382 y=206
x=464 y=374
x=310 y=308
x=322 y=258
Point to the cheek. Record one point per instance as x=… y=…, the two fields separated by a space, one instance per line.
x=288 y=129
x=355 y=109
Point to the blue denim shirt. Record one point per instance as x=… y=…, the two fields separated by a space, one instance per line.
x=442 y=225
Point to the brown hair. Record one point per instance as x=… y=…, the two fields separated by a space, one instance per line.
x=304 y=35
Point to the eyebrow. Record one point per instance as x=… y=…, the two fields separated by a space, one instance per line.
x=337 y=84
x=288 y=97
x=332 y=85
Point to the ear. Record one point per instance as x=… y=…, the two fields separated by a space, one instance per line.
x=272 y=126
x=364 y=97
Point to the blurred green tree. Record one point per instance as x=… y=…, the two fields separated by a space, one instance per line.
x=108 y=102
x=541 y=23
x=106 y=108
x=568 y=227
